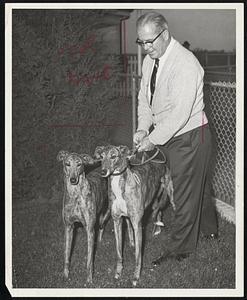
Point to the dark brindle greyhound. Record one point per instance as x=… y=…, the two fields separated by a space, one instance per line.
x=131 y=190
x=84 y=199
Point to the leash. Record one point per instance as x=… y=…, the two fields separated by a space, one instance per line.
x=158 y=161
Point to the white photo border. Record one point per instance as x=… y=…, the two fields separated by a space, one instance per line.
x=239 y=206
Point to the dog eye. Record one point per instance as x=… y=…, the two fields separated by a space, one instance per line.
x=67 y=164
x=113 y=156
x=79 y=164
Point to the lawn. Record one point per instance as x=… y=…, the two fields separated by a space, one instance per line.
x=38 y=251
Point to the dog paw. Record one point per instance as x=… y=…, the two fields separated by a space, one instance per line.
x=118 y=271
x=157 y=231
x=118 y=274
x=66 y=273
x=89 y=280
x=134 y=282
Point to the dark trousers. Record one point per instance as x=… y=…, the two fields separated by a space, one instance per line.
x=188 y=157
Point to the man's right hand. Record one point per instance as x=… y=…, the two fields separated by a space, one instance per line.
x=139 y=136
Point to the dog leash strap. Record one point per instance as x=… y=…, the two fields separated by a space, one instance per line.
x=164 y=157
x=151 y=158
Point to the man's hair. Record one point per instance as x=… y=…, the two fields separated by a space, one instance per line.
x=154 y=18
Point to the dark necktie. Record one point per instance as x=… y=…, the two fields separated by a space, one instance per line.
x=153 y=79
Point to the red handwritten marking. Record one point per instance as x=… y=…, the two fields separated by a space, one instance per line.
x=43 y=149
x=85 y=125
x=202 y=128
x=89 y=79
x=88 y=45
x=75 y=49
x=42 y=146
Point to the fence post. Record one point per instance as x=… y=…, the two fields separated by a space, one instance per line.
x=133 y=105
x=229 y=61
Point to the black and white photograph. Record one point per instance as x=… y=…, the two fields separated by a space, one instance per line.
x=124 y=149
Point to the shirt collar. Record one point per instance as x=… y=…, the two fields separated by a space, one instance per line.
x=168 y=50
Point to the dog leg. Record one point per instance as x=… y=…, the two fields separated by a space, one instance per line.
x=169 y=187
x=102 y=222
x=138 y=249
x=118 y=237
x=131 y=233
x=68 y=241
x=170 y=193
x=90 y=248
x=157 y=207
x=158 y=224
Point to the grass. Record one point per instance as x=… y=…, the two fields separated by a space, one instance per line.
x=38 y=246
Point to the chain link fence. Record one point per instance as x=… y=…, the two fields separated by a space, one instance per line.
x=220 y=101
x=220 y=107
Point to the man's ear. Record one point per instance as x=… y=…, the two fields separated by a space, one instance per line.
x=87 y=159
x=166 y=34
x=62 y=155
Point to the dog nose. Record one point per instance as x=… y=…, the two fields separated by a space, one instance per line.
x=73 y=180
x=103 y=172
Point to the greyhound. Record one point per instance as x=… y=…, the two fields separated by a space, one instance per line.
x=85 y=198
x=131 y=190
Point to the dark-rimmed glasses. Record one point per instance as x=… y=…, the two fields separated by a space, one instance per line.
x=149 y=43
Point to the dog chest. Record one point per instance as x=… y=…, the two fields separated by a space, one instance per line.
x=79 y=204
x=119 y=205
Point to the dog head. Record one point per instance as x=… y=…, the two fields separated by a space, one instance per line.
x=73 y=164
x=114 y=159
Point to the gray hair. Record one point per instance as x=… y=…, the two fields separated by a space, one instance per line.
x=158 y=20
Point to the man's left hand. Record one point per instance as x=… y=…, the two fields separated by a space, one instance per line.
x=145 y=145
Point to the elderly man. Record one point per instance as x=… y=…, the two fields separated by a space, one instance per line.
x=171 y=116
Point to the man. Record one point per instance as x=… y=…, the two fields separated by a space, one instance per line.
x=171 y=102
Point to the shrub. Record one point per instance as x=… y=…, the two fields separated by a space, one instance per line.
x=63 y=96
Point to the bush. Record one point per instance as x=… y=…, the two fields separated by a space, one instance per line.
x=62 y=92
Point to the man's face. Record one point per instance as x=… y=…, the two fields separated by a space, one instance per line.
x=149 y=32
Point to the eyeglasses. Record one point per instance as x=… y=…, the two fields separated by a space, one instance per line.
x=148 y=42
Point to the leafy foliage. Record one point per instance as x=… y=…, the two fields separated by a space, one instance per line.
x=63 y=96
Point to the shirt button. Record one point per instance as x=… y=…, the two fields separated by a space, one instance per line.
x=153 y=115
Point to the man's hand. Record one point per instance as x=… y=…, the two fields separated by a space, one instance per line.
x=145 y=145
x=139 y=136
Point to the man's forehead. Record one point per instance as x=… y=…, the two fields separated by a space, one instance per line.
x=148 y=30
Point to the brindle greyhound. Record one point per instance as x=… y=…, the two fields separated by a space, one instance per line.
x=131 y=190
x=84 y=199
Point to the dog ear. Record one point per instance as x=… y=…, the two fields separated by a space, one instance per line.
x=124 y=150
x=87 y=159
x=62 y=155
x=98 y=151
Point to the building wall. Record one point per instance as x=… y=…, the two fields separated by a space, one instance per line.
x=111 y=38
